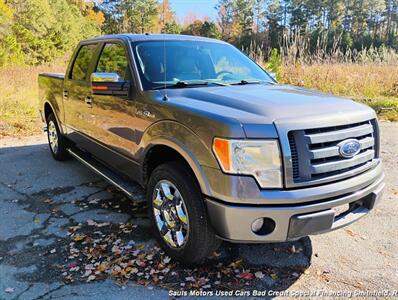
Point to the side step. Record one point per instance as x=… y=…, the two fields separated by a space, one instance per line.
x=133 y=190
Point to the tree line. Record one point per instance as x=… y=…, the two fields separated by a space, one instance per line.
x=296 y=28
x=308 y=25
x=37 y=31
x=140 y=16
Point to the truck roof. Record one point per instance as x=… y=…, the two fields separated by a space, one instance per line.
x=151 y=37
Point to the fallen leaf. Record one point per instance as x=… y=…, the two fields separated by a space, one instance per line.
x=79 y=237
x=89 y=267
x=246 y=276
x=236 y=263
x=91 y=223
x=102 y=267
x=274 y=276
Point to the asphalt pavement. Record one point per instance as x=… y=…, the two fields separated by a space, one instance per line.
x=50 y=209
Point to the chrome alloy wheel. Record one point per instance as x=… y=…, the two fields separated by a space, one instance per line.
x=170 y=214
x=53 y=137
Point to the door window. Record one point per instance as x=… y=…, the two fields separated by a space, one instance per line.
x=82 y=62
x=114 y=60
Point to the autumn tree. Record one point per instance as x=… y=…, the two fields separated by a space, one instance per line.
x=39 y=31
x=10 y=50
x=171 y=28
x=226 y=14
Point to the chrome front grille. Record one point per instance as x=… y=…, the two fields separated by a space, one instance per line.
x=315 y=152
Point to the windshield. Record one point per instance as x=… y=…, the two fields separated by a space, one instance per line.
x=194 y=61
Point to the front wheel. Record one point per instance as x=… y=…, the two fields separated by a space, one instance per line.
x=178 y=214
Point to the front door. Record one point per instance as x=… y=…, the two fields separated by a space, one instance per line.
x=113 y=118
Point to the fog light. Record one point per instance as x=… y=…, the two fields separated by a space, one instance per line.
x=257 y=225
x=263 y=226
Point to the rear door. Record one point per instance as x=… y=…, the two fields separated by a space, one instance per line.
x=77 y=93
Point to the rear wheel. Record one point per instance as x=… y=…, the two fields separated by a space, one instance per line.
x=57 y=142
x=178 y=214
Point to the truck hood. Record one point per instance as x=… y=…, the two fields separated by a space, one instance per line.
x=272 y=104
x=255 y=102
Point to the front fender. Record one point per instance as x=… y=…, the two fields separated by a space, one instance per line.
x=183 y=140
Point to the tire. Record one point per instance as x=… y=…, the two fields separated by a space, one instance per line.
x=56 y=141
x=199 y=239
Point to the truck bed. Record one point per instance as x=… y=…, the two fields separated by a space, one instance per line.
x=51 y=87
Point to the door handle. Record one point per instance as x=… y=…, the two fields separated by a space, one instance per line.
x=88 y=100
x=66 y=94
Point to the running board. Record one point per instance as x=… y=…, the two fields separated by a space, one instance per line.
x=132 y=190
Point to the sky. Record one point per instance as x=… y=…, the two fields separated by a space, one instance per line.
x=199 y=8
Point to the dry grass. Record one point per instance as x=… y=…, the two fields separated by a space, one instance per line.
x=373 y=84
x=18 y=100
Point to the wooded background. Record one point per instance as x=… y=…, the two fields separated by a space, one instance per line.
x=343 y=47
x=34 y=32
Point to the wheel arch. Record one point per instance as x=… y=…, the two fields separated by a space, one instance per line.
x=165 y=150
x=47 y=110
x=185 y=143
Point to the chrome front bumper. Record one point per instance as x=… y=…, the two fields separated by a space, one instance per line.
x=233 y=221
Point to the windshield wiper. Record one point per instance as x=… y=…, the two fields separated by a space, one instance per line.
x=184 y=84
x=244 y=81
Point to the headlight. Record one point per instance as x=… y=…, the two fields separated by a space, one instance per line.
x=259 y=158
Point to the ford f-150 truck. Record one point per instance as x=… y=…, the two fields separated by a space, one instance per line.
x=223 y=151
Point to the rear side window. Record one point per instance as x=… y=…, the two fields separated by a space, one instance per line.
x=82 y=62
x=113 y=59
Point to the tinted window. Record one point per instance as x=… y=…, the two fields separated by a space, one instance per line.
x=114 y=60
x=82 y=62
x=172 y=61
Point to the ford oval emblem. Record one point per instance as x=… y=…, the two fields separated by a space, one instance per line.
x=349 y=148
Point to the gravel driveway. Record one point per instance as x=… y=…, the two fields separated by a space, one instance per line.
x=65 y=233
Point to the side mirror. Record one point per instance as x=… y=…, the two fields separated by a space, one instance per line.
x=109 y=84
